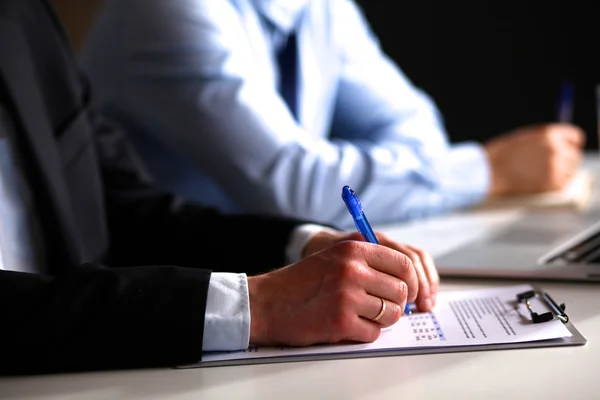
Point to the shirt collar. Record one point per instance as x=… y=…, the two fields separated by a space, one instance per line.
x=283 y=14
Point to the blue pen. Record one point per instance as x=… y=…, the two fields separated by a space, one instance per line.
x=361 y=222
x=565 y=105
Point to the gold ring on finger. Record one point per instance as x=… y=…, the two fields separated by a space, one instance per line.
x=381 y=312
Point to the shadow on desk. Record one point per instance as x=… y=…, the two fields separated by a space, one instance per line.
x=279 y=380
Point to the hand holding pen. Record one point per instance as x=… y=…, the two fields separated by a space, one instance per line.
x=428 y=277
x=536 y=158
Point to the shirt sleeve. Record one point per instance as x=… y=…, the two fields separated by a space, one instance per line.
x=299 y=239
x=416 y=171
x=227 y=319
x=189 y=75
x=227 y=316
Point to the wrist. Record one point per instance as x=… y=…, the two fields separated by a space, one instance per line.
x=498 y=185
x=296 y=249
x=321 y=240
x=257 y=326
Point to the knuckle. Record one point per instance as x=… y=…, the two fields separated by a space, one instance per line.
x=414 y=257
x=548 y=138
x=348 y=248
x=420 y=252
x=383 y=237
x=361 y=273
x=425 y=256
x=355 y=236
x=556 y=176
x=349 y=272
x=547 y=131
x=552 y=148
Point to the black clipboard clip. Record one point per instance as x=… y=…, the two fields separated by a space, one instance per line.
x=557 y=310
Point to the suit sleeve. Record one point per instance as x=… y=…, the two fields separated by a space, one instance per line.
x=149 y=226
x=101 y=318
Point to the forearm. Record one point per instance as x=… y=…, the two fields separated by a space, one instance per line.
x=148 y=226
x=187 y=235
x=99 y=318
x=457 y=178
x=395 y=182
x=102 y=318
x=281 y=172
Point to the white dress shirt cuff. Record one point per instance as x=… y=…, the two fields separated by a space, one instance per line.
x=227 y=316
x=464 y=173
x=299 y=239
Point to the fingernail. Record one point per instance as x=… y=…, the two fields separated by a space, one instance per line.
x=404 y=308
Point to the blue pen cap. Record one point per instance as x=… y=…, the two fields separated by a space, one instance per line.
x=352 y=202
x=565 y=105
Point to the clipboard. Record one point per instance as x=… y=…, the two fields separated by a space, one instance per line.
x=524 y=297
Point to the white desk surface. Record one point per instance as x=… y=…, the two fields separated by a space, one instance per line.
x=546 y=373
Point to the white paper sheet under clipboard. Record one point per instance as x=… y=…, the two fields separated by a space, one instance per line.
x=465 y=320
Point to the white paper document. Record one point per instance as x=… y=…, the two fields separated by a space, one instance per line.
x=460 y=318
x=576 y=194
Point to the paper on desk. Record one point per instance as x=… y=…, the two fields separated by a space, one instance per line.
x=576 y=195
x=460 y=318
x=439 y=235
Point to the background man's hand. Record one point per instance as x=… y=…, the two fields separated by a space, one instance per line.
x=331 y=296
x=427 y=274
x=534 y=159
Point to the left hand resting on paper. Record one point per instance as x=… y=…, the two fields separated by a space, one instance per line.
x=423 y=263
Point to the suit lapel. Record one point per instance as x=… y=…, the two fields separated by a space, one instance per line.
x=36 y=126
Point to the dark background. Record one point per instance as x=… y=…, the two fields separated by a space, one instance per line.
x=494 y=65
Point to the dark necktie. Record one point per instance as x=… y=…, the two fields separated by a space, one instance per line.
x=287 y=60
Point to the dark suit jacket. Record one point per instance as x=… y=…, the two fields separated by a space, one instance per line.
x=97 y=208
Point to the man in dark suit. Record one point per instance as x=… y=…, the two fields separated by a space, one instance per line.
x=82 y=233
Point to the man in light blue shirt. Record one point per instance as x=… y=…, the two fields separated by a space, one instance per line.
x=272 y=106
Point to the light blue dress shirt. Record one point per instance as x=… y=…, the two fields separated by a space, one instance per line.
x=198 y=81
x=21 y=245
